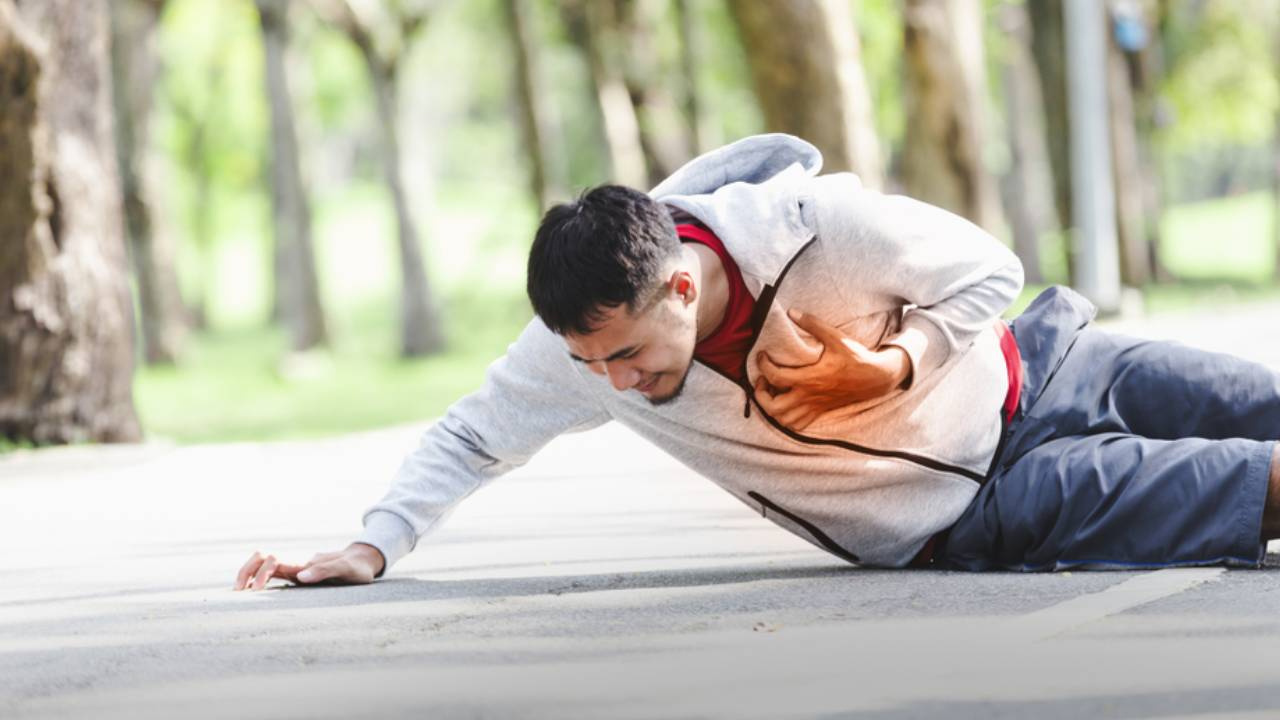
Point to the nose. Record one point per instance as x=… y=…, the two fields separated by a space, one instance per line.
x=621 y=375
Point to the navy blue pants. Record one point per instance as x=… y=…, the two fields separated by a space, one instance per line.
x=1124 y=453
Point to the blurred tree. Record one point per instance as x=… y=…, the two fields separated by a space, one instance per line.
x=691 y=54
x=1028 y=186
x=665 y=135
x=1130 y=28
x=595 y=27
x=531 y=100
x=383 y=36
x=1050 y=51
x=946 y=98
x=297 y=287
x=134 y=70
x=805 y=65
x=66 y=320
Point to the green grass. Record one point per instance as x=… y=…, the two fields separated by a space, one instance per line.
x=1226 y=239
x=233 y=384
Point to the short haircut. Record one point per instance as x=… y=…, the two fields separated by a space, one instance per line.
x=606 y=249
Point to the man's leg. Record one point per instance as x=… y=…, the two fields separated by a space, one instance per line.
x=1156 y=389
x=1116 y=500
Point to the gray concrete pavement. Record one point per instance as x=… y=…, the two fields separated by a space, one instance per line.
x=601 y=580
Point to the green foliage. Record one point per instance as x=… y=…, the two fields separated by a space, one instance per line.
x=1221 y=81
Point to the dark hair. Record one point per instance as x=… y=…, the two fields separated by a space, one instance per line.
x=605 y=249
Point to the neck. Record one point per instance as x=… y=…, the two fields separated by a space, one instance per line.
x=713 y=300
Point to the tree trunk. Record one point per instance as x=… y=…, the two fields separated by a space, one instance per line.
x=1126 y=170
x=945 y=102
x=592 y=25
x=807 y=72
x=1050 y=51
x=1028 y=186
x=133 y=68
x=297 y=288
x=66 y=318
x=420 y=326
x=690 y=62
x=664 y=135
x=530 y=94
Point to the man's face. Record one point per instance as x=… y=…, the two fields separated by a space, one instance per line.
x=649 y=352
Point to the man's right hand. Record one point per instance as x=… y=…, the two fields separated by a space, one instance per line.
x=357 y=564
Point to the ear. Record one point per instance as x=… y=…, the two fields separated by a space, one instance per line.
x=683 y=286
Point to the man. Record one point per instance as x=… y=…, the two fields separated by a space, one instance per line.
x=834 y=358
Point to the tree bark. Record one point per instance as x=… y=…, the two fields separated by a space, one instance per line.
x=66 y=317
x=1028 y=186
x=529 y=95
x=134 y=71
x=805 y=65
x=945 y=99
x=297 y=287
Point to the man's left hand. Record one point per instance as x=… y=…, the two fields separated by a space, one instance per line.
x=847 y=372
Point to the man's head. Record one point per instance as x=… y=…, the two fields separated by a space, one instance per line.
x=608 y=273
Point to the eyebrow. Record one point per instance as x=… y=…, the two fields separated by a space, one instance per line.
x=621 y=353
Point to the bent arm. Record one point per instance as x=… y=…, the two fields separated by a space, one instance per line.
x=954 y=278
x=529 y=396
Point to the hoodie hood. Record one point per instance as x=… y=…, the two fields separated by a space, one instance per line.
x=750 y=194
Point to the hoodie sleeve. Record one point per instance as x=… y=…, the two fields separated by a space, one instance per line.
x=529 y=396
x=953 y=277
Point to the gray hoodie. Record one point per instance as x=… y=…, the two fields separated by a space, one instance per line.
x=870 y=482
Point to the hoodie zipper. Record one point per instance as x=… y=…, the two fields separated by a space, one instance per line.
x=758 y=315
x=821 y=537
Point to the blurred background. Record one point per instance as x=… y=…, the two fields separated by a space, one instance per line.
x=269 y=219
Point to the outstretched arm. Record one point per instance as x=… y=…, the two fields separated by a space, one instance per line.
x=530 y=395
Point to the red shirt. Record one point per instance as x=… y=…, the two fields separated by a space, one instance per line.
x=725 y=349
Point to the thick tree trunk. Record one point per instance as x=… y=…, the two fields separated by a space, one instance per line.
x=530 y=94
x=1028 y=186
x=297 y=288
x=807 y=72
x=1049 y=47
x=945 y=105
x=133 y=68
x=66 y=317
x=420 y=326
x=1131 y=222
x=592 y=26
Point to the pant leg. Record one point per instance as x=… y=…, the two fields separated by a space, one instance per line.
x=1114 y=500
x=1156 y=389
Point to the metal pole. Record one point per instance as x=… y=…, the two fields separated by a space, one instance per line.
x=1093 y=199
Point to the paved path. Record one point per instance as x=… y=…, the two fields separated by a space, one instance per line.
x=579 y=587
